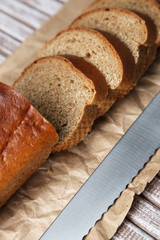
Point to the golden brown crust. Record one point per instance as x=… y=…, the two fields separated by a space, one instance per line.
x=26 y=139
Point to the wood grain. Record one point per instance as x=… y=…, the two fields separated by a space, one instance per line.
x=7 y=44
x=18 y=20
x=130 y=231
x=152 y=192
x=48 y=7
x=2 y=58
x=23 y=13
x=63 y=1
x=14 y=28
x=146 y=216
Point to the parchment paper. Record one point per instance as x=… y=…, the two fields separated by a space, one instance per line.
x=31 y=210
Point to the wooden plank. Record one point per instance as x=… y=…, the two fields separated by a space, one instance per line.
x=12 y=27
x=23 y=13
x=146 y=216
x=130 y=231
x=2 y=58
x=7 y=44
x=48 y=7
x=152 y=191
x=63 y=1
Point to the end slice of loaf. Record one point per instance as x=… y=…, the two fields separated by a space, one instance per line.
x=26 y=139
x=63 y=95
x=150 y=8
x=95 y=49
x=123 y=24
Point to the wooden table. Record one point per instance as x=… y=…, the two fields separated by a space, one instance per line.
x=18 y=20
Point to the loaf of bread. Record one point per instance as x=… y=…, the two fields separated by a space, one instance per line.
x=63 y=95
x=76 y=78
x=123 y=24
x=150 y=8
x=95 y=49
x=26 y=139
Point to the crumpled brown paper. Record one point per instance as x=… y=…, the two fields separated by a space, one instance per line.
x=31 y=210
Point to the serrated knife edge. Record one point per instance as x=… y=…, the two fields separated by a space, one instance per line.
x=99 y=192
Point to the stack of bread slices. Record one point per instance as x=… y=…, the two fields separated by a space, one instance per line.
x=79 y=74
x=99 y=58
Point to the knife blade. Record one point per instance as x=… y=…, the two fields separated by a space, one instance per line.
x=110 y=178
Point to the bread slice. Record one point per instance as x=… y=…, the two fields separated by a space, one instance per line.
x=26 y=139
x=95 y=49
x=150 y=8
x=123 y=24
x=63 y=95
x=90 y=71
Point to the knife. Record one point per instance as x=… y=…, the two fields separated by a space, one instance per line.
x=110 y=178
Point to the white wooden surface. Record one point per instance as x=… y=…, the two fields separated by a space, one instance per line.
x=146 y=215
x=48 y=7
x=18 y=20
x=7 y=44
x=130 y=231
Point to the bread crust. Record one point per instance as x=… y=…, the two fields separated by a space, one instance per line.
x=126 y=74
x=99 y=81
x=153 y=15
x=147 y=48
x=70 y=65
x=91 y=72
x=113 y=9
x=26 y=139
x=100 y=36
x=83 y=128
x=90 y=111
x=127 y=61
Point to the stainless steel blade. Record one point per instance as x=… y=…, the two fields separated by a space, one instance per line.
x=111 y=177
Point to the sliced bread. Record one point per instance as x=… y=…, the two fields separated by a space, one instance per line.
x=95 y=49
x=26 y=139
x=63 y=95
x=96 y=77
x=127 y=26
x=150 y=8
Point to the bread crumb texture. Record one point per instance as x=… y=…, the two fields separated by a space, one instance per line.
x=63 y=95
x=93 y=47
x=150 y=8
